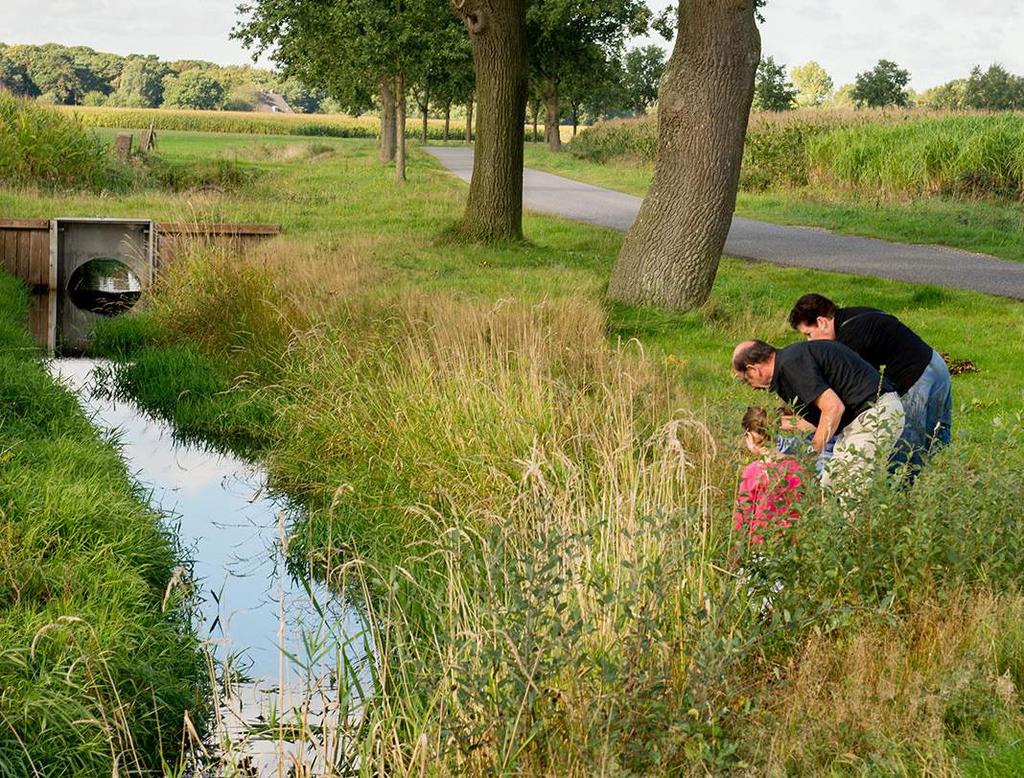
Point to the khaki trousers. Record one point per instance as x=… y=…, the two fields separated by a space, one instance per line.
x=869 y=437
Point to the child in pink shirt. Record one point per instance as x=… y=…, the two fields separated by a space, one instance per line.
x=771 y=487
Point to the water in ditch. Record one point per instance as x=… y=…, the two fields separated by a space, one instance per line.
x=291 y=658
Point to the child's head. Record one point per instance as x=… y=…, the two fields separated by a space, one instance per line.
x=758 y=425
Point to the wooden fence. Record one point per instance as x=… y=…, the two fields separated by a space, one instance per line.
x=25 y=249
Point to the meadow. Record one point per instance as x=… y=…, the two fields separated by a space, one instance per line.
x=536 y=487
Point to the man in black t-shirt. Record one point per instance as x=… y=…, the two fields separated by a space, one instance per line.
x=915 y=368
x=839 y=393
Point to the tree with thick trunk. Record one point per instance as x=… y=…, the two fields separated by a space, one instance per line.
x=494 y=209
x=670 y=256
x=387 y=120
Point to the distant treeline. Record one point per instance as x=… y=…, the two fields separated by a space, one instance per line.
x=78 y=75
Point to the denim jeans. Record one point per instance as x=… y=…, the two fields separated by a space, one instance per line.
x=929 y=408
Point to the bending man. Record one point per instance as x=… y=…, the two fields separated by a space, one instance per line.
x=836 y=391
x=918 y=372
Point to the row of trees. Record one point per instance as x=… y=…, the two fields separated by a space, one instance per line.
x=542 y=51
x=810 y=86
x=994 y=89
x=368 y=54
x=78 y=75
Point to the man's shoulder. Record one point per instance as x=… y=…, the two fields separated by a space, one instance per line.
x=844 y=315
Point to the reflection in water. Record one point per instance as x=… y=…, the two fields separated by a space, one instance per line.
x=105 y=286
x=251 y=608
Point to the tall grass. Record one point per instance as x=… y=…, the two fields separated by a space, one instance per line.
x=43 y=147
x=893 y=152
x=542 y=521
x=956 y=155
x=98 y=666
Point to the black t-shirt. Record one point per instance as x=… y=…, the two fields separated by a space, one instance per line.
x=804 y=370
x=885 y=342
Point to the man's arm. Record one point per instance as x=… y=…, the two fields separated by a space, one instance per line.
x=832 y=409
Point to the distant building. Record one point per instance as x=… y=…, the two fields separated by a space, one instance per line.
x=271 y=102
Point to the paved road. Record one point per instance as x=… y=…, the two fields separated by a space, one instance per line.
x=760 y=241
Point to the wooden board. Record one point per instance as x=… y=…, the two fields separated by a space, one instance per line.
x=25 y=250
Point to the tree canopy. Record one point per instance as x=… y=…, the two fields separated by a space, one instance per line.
x=642 y=69
x=884 y=85
x=813 y=84
x=772 y=90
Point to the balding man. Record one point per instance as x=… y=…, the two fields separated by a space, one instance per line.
x=838 y=392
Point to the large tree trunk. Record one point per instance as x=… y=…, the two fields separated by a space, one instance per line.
x=552 y=115
x=671 y=254
x=447 y=119
x=469 y=120
x=494 y=209
x=387 y=120
x=400 y=126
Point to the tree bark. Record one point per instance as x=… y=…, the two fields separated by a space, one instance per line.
x=425 y=111
x=387 y=120
x=469 y=120
x=671 y=253
x=494 y=209
x=552 y=115
x=400 y=126
x=447 y=119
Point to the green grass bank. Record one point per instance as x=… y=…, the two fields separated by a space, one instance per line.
x=98 y=667
x=537 y=490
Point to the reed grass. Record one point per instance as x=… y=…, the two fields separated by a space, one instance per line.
x=895 y=152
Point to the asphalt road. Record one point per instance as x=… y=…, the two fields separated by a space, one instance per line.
x=763 y=242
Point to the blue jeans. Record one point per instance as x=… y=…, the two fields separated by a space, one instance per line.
x=929 y=408
x=799 y=444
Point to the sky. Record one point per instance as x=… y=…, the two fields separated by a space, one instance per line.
x=936 y=40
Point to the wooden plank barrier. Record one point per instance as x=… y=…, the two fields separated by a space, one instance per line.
x=25 y=250
x=25 y=244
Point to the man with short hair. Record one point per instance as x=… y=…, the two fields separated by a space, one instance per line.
x=918 y=372
x=839 y=393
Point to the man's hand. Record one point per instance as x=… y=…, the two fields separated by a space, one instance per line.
x=832 y=409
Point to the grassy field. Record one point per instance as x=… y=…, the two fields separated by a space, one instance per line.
x=98 y=667
x=537 y=487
